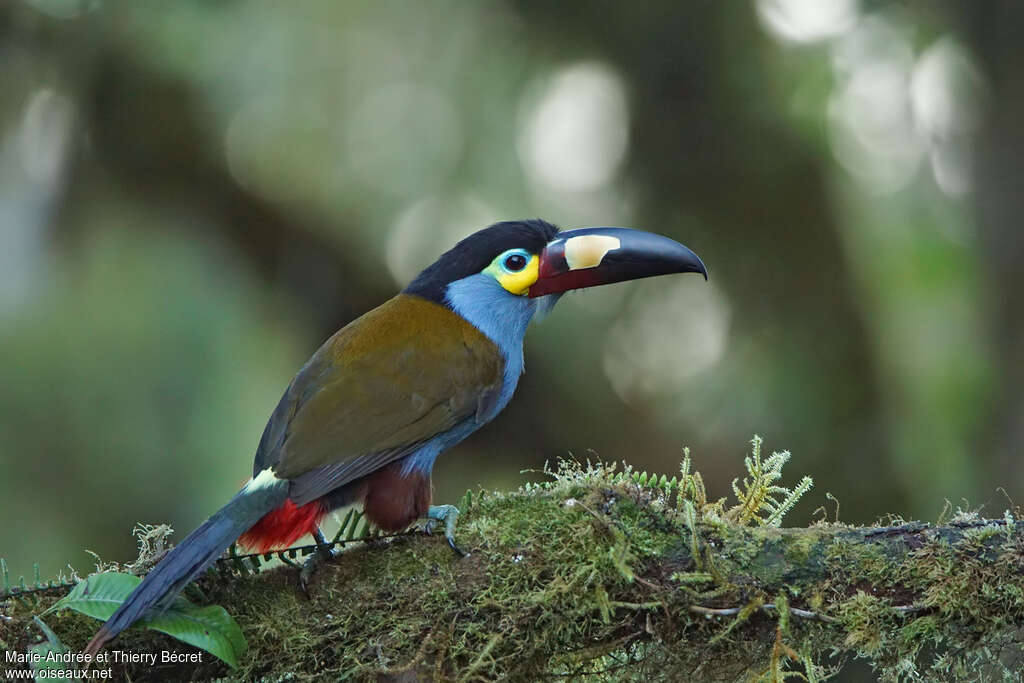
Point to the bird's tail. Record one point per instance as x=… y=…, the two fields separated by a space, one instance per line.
x=193 y=555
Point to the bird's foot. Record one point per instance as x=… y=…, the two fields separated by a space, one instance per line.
x=446 y=514
x=323 y=553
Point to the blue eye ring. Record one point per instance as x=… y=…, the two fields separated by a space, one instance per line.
x=514 y=260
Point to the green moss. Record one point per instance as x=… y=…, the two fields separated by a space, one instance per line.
x=606 y=575
x=868 y=621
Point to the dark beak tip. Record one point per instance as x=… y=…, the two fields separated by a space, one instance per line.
x=694 y=263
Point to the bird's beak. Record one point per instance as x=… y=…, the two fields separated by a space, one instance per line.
x=599 y=256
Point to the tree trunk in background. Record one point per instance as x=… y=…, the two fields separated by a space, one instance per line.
x=994 y=34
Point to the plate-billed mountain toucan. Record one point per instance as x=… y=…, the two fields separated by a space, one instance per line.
x=367 y=415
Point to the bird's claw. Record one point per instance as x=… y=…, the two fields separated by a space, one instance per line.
x=323 y=553
x=447 y=514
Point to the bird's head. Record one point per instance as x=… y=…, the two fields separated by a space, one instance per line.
x=532 y=258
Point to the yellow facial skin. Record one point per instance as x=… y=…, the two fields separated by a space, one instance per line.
x=517 y=283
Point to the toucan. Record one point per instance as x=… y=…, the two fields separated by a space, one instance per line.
x=367 y=415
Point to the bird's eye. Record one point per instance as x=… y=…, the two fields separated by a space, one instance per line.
x=514 y=263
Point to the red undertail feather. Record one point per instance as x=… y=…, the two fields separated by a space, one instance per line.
x=282 y=526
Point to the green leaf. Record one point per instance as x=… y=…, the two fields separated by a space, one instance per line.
x=51 y=644
x=99 y=595
x=208 y=628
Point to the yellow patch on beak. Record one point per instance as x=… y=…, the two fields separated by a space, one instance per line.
x=587 y=251
x=518 y=283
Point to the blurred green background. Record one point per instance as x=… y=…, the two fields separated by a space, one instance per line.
x=194 y=195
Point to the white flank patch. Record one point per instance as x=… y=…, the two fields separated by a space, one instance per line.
x=586 y=251
x=262 y=480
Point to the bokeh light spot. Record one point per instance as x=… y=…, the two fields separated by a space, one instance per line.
x=669 y=333
x=575 y=133
x=404 y=139
x=948 y=94
x=278 y=146
x=430 y=227
x=45 y=127
x=807 y=21
x=872 y=129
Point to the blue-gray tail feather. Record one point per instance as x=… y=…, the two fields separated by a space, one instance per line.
x=191 y=557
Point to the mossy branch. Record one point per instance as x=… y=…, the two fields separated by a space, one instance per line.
x=608 y=575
